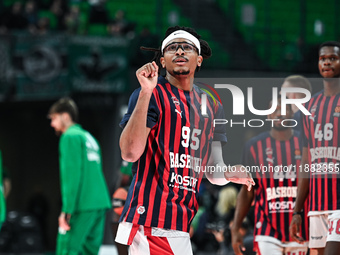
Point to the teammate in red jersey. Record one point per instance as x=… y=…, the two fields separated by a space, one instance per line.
x=170 y=141
x=272 y=157
x=321 y=157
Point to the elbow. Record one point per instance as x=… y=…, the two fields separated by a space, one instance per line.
x=130 y=156
x=129 y=150
x=126 y=152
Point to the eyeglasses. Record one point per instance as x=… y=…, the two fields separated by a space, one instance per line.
x=173 y=47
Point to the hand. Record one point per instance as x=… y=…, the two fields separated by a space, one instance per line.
x=219 y=235
x=237 y=242
x=63 y=221
x=294 y=229
x=147 y=76
x=237 y=174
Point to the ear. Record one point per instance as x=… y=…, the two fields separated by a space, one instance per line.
x=162 y=62
x=199 y=60
x=65 y=116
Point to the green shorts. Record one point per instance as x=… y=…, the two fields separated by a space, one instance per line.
x=85 y=235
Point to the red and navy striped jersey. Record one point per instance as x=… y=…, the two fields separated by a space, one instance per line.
x=321 y=137
x=273 y=164
x=166 y=180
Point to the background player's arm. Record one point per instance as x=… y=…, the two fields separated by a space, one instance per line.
x=222 y=174
x=244 y=200
x=71 y=167
x=7 y=186
x=70 y=175
x=302 y=194
x=135 y=133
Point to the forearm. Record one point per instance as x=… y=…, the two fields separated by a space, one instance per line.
x=134 y=136
x=7 y=187
x=244 y=200
x=216 y=167
x=303 y=183
x=70 y=184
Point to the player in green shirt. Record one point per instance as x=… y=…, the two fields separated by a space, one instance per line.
x=85 y=197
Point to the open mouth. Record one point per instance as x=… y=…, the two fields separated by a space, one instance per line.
x=180 y=60
x=327 y=69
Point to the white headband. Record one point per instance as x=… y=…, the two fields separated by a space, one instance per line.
x=182 y=34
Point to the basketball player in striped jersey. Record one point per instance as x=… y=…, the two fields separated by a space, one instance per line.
x=272 y=158
x=321 y=158
x=170 y=141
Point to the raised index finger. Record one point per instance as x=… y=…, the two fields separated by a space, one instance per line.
x=155 y=65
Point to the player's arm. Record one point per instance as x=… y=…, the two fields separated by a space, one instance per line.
x=244 y=200
x=223 y=173
x=70 y=174
x=220 y=174
x=71 y=161
x=216 y=166
x=302 y=194
x=135 y=133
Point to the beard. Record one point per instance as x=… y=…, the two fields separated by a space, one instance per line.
x=181 y=72
x=280 y=128
x=58 y=133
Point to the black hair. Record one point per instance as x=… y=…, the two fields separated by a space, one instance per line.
x=205 y=48
x=330 y=43
x=63 y=105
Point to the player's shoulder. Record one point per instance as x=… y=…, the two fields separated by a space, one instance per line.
x=314 y=99
x=296 y=133
x=74 y=131
x=134 y=95
x=211 y=98
x=317 y=94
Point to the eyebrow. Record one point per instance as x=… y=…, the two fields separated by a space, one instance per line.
x=329 y=55
x=181 y=42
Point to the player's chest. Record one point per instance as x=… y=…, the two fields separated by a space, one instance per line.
x=185 y=111
x=324 y=121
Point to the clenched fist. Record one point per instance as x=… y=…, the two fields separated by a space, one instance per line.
x=147 y=76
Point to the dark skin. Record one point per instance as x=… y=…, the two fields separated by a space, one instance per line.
x=329 y=68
